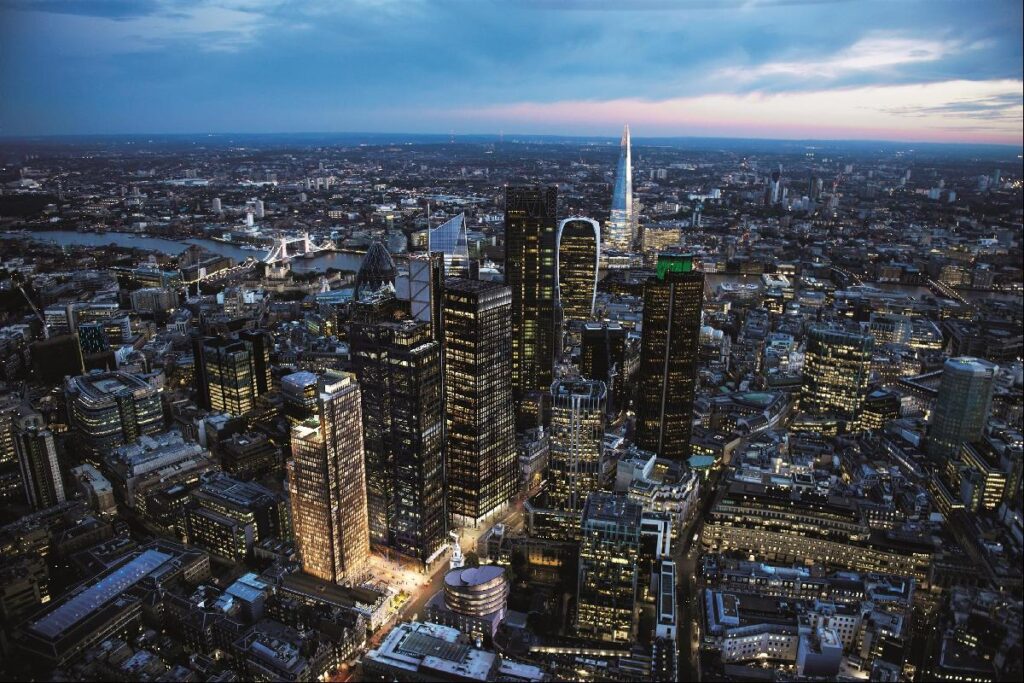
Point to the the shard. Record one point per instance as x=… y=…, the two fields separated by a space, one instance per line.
x=620 y=223
x=451 y=239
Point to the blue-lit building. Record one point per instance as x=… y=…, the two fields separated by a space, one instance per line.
x=450 y=238
x=620 y=226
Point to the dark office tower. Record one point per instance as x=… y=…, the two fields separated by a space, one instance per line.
x=40 y=471
x=579 y=246
x=668 y=356
x=426 y=286
x=226 y=375
x=530 y=253
x=603 y=358
x=962 y=405
x=481 y=459
x=327 y=485
x=92 y=337
x=376 y=270
x=837 y=367
x=399 y=369
x=260 y=344
x=58 y=357
x=577 y=442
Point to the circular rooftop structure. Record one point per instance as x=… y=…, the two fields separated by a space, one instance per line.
x=476 y=591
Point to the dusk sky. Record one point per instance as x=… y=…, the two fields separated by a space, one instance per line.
x=935 y=70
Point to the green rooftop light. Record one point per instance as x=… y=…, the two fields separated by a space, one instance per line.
x=674 y=263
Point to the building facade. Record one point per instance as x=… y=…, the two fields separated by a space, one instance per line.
x=399 y=370
x=621 y=224
x=530 y=255
x=111 y=409
x=579 y=248
x=668 y=357
x=576 y=442
x=837 y=367
x=327 y=485
x=962 y=405
x=481 y=459
x=40 y=469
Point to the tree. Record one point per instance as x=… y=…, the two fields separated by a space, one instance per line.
x=472 y=559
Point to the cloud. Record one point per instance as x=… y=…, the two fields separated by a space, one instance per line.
x=872 y=53
x=938 y=112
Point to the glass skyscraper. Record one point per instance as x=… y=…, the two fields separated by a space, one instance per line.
x=530 y=254
x=579 y=246
x=399 y=370
x=622 y=221
x=481 y=462
x=837 y=368
x=327 y=485
x=451 y=239
x=576 y=442
x=962 y=406
x=668 y=357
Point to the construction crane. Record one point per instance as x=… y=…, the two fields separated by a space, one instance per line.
x=42 y=319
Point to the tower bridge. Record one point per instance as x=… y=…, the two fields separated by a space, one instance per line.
x=285 y=247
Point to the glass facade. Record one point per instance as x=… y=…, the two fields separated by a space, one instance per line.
x=622 y=221
x=579 y=244
x=609 y=547
x=837 y=367
x=399 y=370
x=530 y=254
x=962 y=405
x=327 y=485
x=40 y=470
x=111 y=409
x=451 y=239
x=576 y=442
x=481 y=458
x=668 y=357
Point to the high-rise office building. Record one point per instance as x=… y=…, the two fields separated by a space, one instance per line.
x=111 y=409
x=92 y=337
x=40 y=470
x=579 y=248
x=608 y=576
x=576 y=442
x=603 y=349
x=231 y=373
x=451 y=239
x=837 y=367
x=530 y=254
x=668 y=356
x=426 y=287
x=399 y=369
x=481 y=458
x=962 y=405
x=327 y=484
x=622 y=222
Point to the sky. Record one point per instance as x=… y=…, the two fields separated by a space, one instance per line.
x=907 y=70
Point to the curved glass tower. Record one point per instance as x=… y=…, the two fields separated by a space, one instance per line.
x=376 y=270
x=576 y=262
x=620 y=223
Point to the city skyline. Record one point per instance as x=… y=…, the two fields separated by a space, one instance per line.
x=916 y=71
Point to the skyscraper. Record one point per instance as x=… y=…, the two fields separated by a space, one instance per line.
x=668 y=356
x=962 y=406
x=530 y=254
x=579 y=248
x=837 y=367
x=426 y=286
x=622 y=221
x=576 y=442
x=603 y=356
x=609 y=547
x=111 y=409
x=399 y=370
x=40 y=471
x=376 y=270
x=451 y=239
x=225 y=375
x=327 y=485
x=481 y=459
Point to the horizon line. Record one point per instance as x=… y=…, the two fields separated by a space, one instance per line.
x=501 y=134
